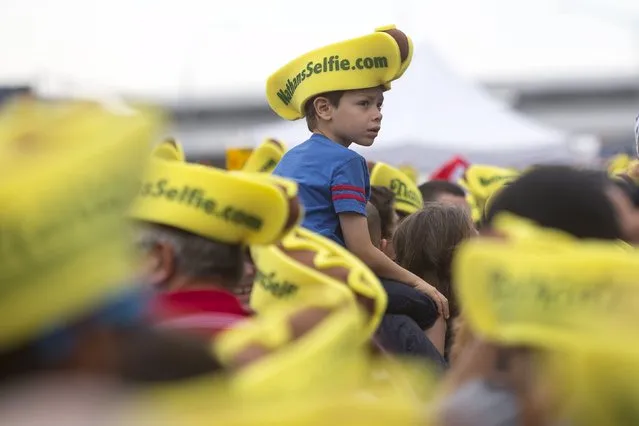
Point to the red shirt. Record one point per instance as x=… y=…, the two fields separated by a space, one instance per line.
x=203 y=311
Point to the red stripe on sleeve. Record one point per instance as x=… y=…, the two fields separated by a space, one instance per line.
x=348 y=188
x=349 y=197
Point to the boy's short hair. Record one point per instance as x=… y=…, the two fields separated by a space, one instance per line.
x=309 y=108
x=384 y=201
x=432 y=189
x=374 y=224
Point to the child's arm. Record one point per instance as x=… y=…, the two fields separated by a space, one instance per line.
x=358 y=241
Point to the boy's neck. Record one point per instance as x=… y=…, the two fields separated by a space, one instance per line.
x=330 y=135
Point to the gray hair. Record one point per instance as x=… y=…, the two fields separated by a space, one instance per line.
x=195 y=256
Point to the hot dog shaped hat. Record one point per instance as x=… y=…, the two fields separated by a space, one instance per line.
x=360 y=63
x=305 y=266
x=544 y=288
x=408 y=198
x=69 y=173
x=481 y=183
x=280 y=353
x=410 y=171
x=265 y=157
x=169 y=149
x=229 y=207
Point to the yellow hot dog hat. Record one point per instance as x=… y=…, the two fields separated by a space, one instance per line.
x=169 y=149
x=230 y=207
x=481 y=182
x=265 y=157
x=69 y=173
x=300 y=364
x=360 y=63
x=410 y=171
x=408 y=198
x=544 y=288
x=305 y=266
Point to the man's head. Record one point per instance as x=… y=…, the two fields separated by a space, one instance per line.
x=443 y=191
x=579 y=202
x=177 y=259
x=349 y=116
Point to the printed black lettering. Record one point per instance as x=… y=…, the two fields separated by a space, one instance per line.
x=159 y=188
x=209 y=207
x=403 y=193
x=280 y=289
x=380 y=62
x=197 y=198
x=171 y=193
x=331 y=63
x=146 y=189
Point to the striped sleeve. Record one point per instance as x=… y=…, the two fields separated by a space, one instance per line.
x=349 y=187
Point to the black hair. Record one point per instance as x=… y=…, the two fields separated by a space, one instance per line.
x=431 y=189
x=564 y=198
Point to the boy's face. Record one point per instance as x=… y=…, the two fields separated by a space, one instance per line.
x=358 y=117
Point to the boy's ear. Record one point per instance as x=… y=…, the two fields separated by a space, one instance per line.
x=323 y=108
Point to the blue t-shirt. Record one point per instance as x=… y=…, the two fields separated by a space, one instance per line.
x=332 y=179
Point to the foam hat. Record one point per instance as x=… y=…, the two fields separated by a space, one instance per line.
x=295 y=363
x=481 y=183
x=304 y=267
x=410 y=171
x=229 y=207
x=408 y=198
x=66 y=245
x=360 y=63
x=265 y=157
x=169 y=149
x=547 y=289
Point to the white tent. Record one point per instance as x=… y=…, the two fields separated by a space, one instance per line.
x=431 y=114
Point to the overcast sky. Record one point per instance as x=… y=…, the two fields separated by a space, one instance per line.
x=171 y=48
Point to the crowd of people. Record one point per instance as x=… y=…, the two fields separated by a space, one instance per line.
x=311 y=286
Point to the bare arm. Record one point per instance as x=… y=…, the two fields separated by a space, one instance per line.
x=358 y=241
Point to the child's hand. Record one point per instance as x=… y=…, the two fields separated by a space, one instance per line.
x=430 y=291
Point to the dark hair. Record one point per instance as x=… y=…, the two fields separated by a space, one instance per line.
x=627 y=185
x=384 y=201
x=374 y=224
x=560 y=197
x=432 y=189
x=426 y=240
x=309 y=108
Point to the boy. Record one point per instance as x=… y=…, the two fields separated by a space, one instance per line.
x=339 y=89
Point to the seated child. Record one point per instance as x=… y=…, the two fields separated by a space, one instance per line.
x=339 y=89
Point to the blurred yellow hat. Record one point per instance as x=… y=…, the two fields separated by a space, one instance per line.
x=481 y=183
x=265 y=157
x=69 y=173
x=229 y=207
x=544 y=288
x=304 y=267
x=408 y=198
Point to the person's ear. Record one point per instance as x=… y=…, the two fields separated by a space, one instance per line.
x=323 y=108
x=160 y=265
x=383 y=244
